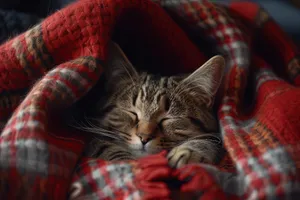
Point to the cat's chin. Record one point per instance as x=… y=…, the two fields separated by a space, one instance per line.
x=141 y=153
x=144 y=152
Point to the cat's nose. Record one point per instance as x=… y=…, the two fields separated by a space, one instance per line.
x=145 y=138
x=146 y=131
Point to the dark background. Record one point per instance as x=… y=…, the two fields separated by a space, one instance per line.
x=285 y=12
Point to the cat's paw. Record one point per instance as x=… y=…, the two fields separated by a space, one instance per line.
x=182 y=155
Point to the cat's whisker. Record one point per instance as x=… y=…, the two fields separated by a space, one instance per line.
x=115 y=132
x=171 y=102
x=124 y=66
x=124 y=134
x=80 y=125
x=114 y=129
x=99 y=132
x=75 y=122
x=108 y=127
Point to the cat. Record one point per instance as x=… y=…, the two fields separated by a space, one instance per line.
x=143 y=114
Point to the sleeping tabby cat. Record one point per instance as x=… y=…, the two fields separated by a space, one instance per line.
x=144 y=114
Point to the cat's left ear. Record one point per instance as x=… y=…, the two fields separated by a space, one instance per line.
x=118 y=69
x=205 y=81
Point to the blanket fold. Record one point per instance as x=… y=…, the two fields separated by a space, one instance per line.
x=50 y=67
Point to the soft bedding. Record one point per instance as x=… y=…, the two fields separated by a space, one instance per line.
x=52 y=66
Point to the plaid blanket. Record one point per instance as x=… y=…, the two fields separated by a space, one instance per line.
x=47 y=69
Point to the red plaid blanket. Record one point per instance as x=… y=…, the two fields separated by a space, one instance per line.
x=51 y=66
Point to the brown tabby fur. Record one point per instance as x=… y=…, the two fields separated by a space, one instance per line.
x=144 y=114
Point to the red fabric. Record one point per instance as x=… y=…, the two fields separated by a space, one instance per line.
x=59 y=61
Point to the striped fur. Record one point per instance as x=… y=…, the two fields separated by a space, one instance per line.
x=145 y=114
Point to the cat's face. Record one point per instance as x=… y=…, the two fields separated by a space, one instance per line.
x=151 y=113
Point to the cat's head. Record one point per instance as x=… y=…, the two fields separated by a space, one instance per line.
x=151 y=113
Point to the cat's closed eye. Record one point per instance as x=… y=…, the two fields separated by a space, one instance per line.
x=146 y=113
x=161 y=123
x=133 y=115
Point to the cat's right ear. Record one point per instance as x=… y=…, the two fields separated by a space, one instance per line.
x=118 y=69
x=204 y=82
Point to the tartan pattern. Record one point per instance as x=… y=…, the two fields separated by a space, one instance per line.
x=102 y=179
x=51 y=66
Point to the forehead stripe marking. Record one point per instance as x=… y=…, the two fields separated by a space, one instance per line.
x=162 y=82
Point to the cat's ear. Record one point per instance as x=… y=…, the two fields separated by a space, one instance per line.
x=205 y=81
x=118 y=69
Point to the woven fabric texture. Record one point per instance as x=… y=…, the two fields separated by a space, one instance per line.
x=47 y=69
